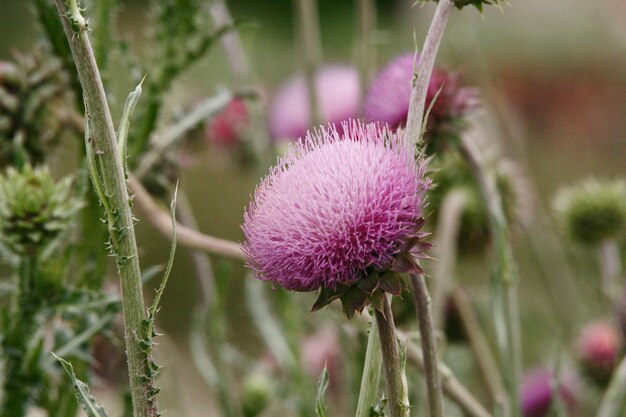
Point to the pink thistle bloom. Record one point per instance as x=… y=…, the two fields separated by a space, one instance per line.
x=537 y=393
x=599 y=347
x=226 y=128
x=338 y=98
x=334 y=206
x=387 y=99
x=322 y=349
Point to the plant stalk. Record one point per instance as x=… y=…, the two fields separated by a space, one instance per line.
x=372 y=368
x=397 y=392
x=413 y=132
x=613 y=400
x=121 y=230
x=309 y=33
x=429 y=345
x=366 y=10
x=610 y=265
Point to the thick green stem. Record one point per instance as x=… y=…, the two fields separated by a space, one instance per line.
x=429 y=346
x=121 y=230
x=397 y=392
x=372 y=368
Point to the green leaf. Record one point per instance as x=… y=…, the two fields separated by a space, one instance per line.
x=129 y=108
x=84 y=397
x=320 y=399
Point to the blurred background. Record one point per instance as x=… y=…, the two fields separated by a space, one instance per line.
x=552 y=84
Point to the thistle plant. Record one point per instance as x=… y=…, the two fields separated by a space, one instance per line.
x=345 y=230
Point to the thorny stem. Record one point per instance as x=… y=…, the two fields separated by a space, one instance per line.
x=187 y=236
x=505 y=301
x=122 y=231
x=613 y=400
x=429 y=346
x=424 y=70
x=372 y=368
x=309 y=32
x=397 y=392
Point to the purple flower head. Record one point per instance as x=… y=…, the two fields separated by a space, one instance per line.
x=537 y=393
x=387 y=99
x=338 y=98
x=335 y=206
x=599 y=346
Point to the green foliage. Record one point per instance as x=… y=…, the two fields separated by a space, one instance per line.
x=86 y=400
x=320 y=399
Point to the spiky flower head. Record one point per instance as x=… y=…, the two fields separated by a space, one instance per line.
x=34 y=209
x=451 y=173
x=33 y=90
x=387 y=101
x=338 y=94
x=598 y=347
x=537 y=392
x=592 y=211
x=337 y=213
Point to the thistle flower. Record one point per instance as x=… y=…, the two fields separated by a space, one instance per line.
x=34 y=210
x=598 y=349
x=452 y=172
x=227 y=127
x=338 y=95
x=322 y=350
x=336 y=213
x=537 y=393
x=387 y=100
x=32 y=90
x=592 y=211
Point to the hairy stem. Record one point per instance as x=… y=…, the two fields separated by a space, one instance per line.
x=424 y=70
x=429 y=346
x=397 y=393
x=372 y=368
x=122 y=232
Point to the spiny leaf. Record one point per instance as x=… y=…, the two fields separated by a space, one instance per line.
x=84 y=397
x=320 y=399
x=129 y=108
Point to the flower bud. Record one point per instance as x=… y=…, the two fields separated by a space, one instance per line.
x=34 y=209
x=256 y=393
x=598 y=349
x=592 y=211
x=537 y=393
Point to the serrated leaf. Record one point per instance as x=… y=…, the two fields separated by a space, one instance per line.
x=84 y=397
x=390 y=282
x=352 y=301
x=369 y=283
x=320 y=398
x=377 y=300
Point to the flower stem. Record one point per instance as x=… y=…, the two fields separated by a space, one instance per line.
x=366 y=10
x=611 y=269
x=429 y=346
x=424 y=70
x=447 y=234
x=371 y=373
x=308 y=22
x=613 y=400
x=505 y=283
x=397 y=392
x=122 y=230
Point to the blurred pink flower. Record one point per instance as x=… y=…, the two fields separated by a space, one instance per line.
x=599 y=346
x=338 y=98
x=537 y=393
x=225 y=129
x=320 y=350
x=335 y=205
